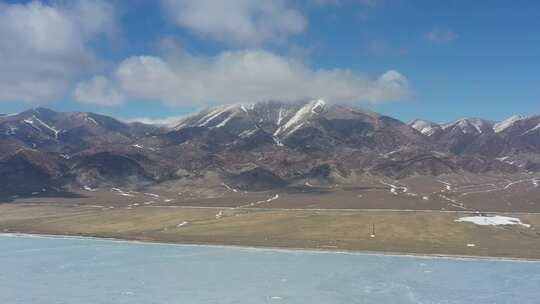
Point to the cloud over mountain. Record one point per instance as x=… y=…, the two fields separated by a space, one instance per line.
x=236 y=77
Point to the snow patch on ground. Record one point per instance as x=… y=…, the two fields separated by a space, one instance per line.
x=386 y=155
x=453 y=202
x=88 y=188
x=220 y=214
x=277 y=141
x=11 y=130
x=273 y=198
x=514 y=183
x=139 y=146
x=496 y=220
x=229 y=188
x=447 y=184
x=121 y=192
x=182 y=224
x=395 y=189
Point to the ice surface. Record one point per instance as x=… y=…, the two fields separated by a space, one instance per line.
x=89 y=271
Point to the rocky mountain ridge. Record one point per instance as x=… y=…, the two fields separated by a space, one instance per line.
x=259 y=146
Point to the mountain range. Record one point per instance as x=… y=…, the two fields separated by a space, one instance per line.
x=258 y=146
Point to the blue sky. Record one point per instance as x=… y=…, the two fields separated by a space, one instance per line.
x=439 y=60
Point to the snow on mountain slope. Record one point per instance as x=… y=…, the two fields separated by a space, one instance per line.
x=469 y=126
x=533 y=129
x=503 y=125
x=425 y=127
x=302 y=115
x=65 y=133
x=217 y=117
x=476 y=126
x=278 y=119
x=39 y=124
x=208 y=118
x=274 y=142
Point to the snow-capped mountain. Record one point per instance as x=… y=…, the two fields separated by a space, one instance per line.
x=279 y=119
x=516 y=134
x=508 y=123
x=425 y=127
x=312 y=124
x=472 y=126
x=51 y=131
x=469 y=126
x=260 y=145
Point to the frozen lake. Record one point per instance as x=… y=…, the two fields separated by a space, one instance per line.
x=46 y=270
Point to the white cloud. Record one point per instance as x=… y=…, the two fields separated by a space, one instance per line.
x=441 y=36
x=98 y=90
x=237 y=22
x=44 y=47
x=167 y=121
x=241 y=77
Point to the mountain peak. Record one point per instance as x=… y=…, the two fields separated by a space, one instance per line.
x=425 y=127
x=507 y=123
x=288 y=140
x=300 y=117
x=40 y=111
x=282 y=116
x=469 y=125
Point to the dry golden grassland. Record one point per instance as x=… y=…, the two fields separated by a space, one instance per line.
x=420 y=232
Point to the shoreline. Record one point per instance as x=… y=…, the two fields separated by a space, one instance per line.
x=273 y=248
